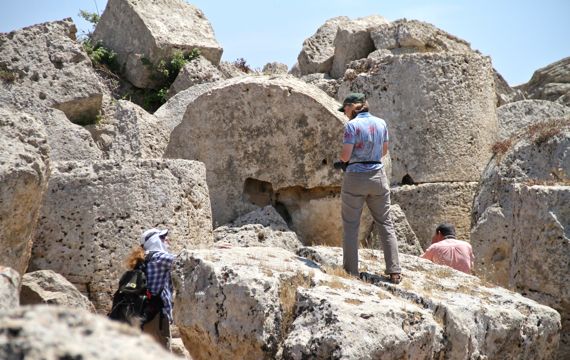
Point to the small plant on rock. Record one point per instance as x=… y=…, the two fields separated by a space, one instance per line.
x=242 y=65
x=7 y=75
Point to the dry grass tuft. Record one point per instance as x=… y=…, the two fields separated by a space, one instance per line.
x=541 y=132
x=334 y=284
x=501 y=147
x=287 y=296
x=336 y=271
x=353 y=301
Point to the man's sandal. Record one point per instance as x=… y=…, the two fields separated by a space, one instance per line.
x=395 y=278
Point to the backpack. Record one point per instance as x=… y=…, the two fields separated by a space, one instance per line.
x=133 y=302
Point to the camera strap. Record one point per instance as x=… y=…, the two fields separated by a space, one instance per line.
x=364 y=162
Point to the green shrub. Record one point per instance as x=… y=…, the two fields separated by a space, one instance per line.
x=7 y=75
x=100 y=55
x=93 y=18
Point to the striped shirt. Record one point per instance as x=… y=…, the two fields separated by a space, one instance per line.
x=159 y=281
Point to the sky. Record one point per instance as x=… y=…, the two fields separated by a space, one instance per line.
x=520 y=36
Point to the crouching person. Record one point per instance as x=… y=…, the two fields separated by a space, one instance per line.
x=445 y=249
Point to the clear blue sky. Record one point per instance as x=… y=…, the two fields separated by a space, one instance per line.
x=520 y=36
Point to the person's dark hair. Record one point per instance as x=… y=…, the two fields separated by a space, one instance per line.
x=359 y=108
x=446 y=229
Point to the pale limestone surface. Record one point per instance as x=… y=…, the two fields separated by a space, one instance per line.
x=129 y=132
x=353 y=41
x=317 y=53
x=9 y=288
x=24 y=176
x=49 y=287
x=52 y=70
x=440 y=111
x=95 y=212
x=285 y=143
x=262 y=227
x=154 y=30
x=521 y=220
x=515 y=116
x=269 y=303
x=323 y=82
x=51 y=332
x=428 y=205
x=505 y=93
x=551 y=82
x=409 y=36
x=196 y=71
x=274 y=68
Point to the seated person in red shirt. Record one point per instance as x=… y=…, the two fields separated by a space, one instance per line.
x=445 y=249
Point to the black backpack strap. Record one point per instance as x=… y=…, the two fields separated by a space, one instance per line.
x=364 y=162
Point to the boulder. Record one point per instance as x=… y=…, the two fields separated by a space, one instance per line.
x=144 y=33
x=171 y=113
x=296 y=129
x=317 y=53
x=50 y=69
x=353 y=41
x=236 y=303
x=521 y=219
x=440 y=111
x=230 y=70
x=505 y=93
x=411 y=36
x=9 y=287
x=48 y=287
x=323 y=82
x=428 y=205
x=408 y=242
x=551 y=82
x=262 y=227
x=196 y=71
x=24 y=175
x=94 y=213
x=514 y=116
x=274 y=68
x=53 y=332
x=129 y=132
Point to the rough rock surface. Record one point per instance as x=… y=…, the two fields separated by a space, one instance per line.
x=24 y=175
x=323 y=82
x=53 y=332
x=410 y=36
x=154 y=31
x=353 y=42
x=522 y=219
x=505 y=93
x=236 y=135
x=197 y=71
x=263 y=227
x=408 y=242
x=9 y=287
x=172 y=112
x=129 y=132
x=49 y=287
x=230 y=70
x=236 y=303
x=440 y=110
x=552 y=82
x=51 y=69
x=274 y=68
x=94 y=213
x=317 y=53
x=428 y=205
x=518 y=115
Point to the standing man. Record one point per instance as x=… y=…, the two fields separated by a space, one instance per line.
x=365 y=143
x=445 y=249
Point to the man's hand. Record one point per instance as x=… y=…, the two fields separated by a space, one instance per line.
x=340 y=165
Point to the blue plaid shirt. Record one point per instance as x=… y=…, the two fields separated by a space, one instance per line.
x=159 y=281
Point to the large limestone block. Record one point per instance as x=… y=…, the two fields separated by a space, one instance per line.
x=263 y=227
x=353 y=42
x=154 y=30
x=521 y=218
x=257 y=301
x=428 y=205
x=51 y=69
x=129 y=132
x=259 y=136
x=478 y=320
x=440 y=110
x=9 y=288
x=50 y=332
x=518 y=115
x=408 y=36
x=505 y=93
x=48 y=287
x=551 y=82
x=94 y=213
x=323 y=82
x=408 y=242
x=196 y=71
x=24 y=175
x=251 y=303
x=317 y=53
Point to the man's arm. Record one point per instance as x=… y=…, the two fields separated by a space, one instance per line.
x=346 y=152
x=385 y=149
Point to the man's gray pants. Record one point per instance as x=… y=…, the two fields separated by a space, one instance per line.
x=373 y=189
